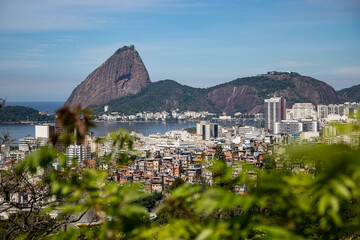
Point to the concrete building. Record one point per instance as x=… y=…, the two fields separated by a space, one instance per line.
x=274 y=111
x=78 y=152
x=44 y=131
x=336 y=109
x=26 y=144
x=332 y=109
x=207 y=130
x=301 y=111
x=309 y=125
x=288 y=127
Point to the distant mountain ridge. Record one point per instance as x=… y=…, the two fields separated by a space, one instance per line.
x=248 y=94
x=351 y=94
x=123 y=83
x=241 y=95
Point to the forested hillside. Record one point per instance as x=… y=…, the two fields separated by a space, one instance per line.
x=20 y=113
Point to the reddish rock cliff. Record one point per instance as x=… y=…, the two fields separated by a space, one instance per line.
x=234 y=98
x=121 y=75
x=248 y=94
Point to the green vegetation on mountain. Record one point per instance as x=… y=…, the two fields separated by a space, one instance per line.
x=162 y=96
x=351 y=94
x=262 y=83
x=125 y=48
x=248 y=94
x=20 y=113
x=243 y=94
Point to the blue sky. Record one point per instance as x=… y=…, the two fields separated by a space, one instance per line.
x=48 y=47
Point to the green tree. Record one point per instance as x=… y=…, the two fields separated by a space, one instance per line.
x=269 y=162
x=219 y=153
x=177 y=183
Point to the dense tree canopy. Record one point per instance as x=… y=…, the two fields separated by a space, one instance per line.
x=20 y=113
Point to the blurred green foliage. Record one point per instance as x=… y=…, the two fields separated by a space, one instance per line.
x=312 y=193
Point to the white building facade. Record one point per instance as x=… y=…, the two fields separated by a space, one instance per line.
x=288 y=127
x=78 y=152
x=274 y=111
x=301 y=111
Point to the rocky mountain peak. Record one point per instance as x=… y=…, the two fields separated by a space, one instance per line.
x=121 y=75
x=125 y=48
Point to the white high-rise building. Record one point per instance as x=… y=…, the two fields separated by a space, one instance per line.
x=78 y=152
x=44 y=131
x=274 y=111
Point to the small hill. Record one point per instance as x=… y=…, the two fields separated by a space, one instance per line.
x=351 y=94
x=121 y=75
x=20 y=113
x=160 y=96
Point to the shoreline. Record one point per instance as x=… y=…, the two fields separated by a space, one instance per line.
x=26 y=122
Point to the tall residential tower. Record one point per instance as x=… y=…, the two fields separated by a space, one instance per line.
x=274 y=111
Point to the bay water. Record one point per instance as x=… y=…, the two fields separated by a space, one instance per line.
x=18 y=131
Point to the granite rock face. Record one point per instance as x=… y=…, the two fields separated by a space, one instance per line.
x=234 y=98
x=248 y=94
x=121 y=75
x=316 y=91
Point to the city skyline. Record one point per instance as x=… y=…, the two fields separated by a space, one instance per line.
x=48 y=48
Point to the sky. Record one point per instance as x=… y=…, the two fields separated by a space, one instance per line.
x=49 y=47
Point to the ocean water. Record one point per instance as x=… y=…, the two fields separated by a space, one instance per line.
x=146 y=128
x=18 y=131
x=48 y=107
